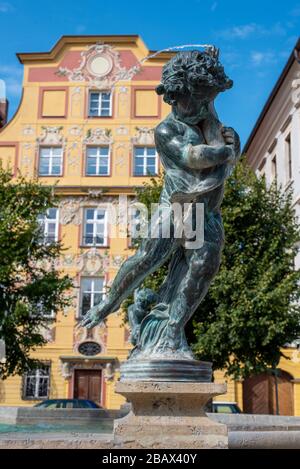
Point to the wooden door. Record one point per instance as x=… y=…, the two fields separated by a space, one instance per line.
x=259 y=394
x=256 y=394
x=285 y=394
x=88 y=385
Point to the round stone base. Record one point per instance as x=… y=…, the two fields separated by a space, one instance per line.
x=166 y=370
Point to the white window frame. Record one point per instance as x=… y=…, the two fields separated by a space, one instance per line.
x=45 y=221
x=274 y=167
x=38 y=376
x=145 y=157
x=98 y=156
x=100 y=99
x=95 y=222
x=93 y=292
x=50 y=167
x=288 y=156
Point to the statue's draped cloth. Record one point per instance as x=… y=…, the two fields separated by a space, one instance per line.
x=181 y=186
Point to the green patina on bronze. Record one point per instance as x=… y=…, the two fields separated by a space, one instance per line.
x=198 y=154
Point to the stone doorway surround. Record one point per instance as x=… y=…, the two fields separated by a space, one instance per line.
x=107 y=365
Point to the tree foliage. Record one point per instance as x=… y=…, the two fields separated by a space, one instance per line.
x=252 y=307
x=30 y=286
x=147 y=195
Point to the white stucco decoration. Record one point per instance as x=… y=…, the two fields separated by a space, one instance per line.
x=100 y=65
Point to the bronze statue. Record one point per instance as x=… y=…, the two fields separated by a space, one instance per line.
x=198 y=154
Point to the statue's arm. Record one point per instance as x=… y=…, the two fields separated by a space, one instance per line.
x=207 y=156
x=191 y=156
x=216 y=134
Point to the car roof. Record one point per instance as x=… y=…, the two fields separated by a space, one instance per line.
x=68 y=400
x=224 y=402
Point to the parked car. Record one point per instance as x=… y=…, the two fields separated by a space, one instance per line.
x=225 y=408
x=68 y=404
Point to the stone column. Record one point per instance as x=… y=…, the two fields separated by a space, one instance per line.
x=169 y=415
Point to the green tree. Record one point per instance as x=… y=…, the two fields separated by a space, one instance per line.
x=30 y=285
x=147 y=195
x=252 y=307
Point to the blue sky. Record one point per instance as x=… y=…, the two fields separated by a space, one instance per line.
x=255 y=39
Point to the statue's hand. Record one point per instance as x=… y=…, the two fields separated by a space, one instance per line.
x=232 y=139
x=94 y=316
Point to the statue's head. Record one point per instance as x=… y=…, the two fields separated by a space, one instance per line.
x=145 y=297
x=190 y=82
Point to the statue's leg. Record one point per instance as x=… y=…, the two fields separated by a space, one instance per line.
x=149 y=257
x=203 y=265
x=152 y=253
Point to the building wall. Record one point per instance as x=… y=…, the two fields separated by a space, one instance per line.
x=54 y=112
x=281 y=120
x=267 y=145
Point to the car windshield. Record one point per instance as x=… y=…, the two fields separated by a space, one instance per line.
x=224 y=409
x=47 y=404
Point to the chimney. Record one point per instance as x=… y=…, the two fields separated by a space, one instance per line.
x=3 y=104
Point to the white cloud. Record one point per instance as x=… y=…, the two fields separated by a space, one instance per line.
x=263 y=58
x=13 y=88
x=6 y=7
x=232 y=59
x=12 y=76
x=246 y=30
x=240 y=32
x=10 y=70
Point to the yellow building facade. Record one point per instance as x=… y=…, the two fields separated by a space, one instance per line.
x=85 y=123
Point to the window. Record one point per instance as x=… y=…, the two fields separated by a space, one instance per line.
x=40 y=310
x=49 y=226
x=274 y=168
x=262 y=168
x=91 y=293
x=36 y=383
x=145 y=161
x=97 y=161
x=95 y=227
x=89 y=348
x=50 y=163
x=288 y=155
x=100 y=104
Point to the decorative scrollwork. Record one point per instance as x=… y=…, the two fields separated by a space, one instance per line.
x=100 y=66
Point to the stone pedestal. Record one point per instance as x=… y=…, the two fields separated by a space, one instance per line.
x=169 y=415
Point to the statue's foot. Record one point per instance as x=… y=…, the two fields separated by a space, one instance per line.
x=95 y=316
x=168 y=346
x=174 y=343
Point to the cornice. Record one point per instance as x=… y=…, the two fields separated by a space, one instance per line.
x=115 y=39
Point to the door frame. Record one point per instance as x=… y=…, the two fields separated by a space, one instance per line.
x=88 y=368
